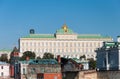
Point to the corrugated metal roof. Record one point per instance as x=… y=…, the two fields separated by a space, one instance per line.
x=3 y=63
x=79 y=61
x=40 y=61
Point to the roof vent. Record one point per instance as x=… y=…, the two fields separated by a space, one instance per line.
x=32 y=31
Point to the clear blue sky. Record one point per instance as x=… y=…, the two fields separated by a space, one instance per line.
x=46 y=16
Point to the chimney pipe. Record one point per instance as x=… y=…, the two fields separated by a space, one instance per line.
x=59 y=58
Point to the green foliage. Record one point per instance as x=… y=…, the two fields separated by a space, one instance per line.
x=29 y=54
x=92 y=63
x=4 y=58
x=48 y=56
x=83 y=57
x=38 y=57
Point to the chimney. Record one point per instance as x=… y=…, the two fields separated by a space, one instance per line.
x=27 y=58
x=59 y=58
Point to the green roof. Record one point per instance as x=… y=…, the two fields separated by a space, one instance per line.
x=64 y=30
x=92 y=36
x=60 y=32
x=40 y=61
x=39 y=36
x=6 y=50
x=110 y=43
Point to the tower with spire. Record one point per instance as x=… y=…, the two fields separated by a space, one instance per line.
x=14 y=63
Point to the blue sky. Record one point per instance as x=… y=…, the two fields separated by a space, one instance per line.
x=46 y=16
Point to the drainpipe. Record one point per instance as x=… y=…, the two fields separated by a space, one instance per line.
x=107 y=64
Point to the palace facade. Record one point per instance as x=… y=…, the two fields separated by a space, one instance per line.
x=64 y=42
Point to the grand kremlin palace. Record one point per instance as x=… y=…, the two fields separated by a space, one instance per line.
x=64 y=42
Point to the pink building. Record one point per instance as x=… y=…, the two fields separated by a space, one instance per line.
x=4 y=70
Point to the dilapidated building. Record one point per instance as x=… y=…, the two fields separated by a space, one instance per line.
x=41 y=69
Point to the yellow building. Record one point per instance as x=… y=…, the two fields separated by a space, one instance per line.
x=64 y=42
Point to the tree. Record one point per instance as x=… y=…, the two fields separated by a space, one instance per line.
x=48 y=56
x=29 y=54
x=38 y=57
x=83 y=56
x=92 y=63
x=4 y=58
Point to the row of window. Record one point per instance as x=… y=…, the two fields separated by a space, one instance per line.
x=68 y=56
x=73 y=55
x=58 y=50
x=66 y=37
x=80 y=44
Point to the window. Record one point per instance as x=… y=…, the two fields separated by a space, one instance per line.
x=99 y=44
x=33 y=70
x=75 y=50
x=58 y=50
x=66 y=44
x=1 y=67
x=58 y=44
x=26 y=43
x=87 y=44
x=66 y=50
x=35 y=44
x=2 y=74
x=38 y=49
x=24 y=71
x=50 y=50
x=50 y=44
x=82 y=44
x=62 y=44
x=46 y=44
x=42 y=50
x=75 y=44
x=78 y=50
x=62 y=50
x=90 y=45
x=34 y=50
x=39 y=44
x=54 y=44
x=42 y=44
x=22 y=44
x=54 y=50
x=70 y=44
x=79 y=44
x=30 y=43
x=46 y=50
x=70 y=50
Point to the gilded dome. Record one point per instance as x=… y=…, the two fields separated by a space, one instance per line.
x=64 y=30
